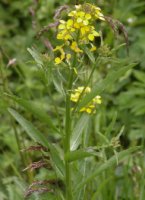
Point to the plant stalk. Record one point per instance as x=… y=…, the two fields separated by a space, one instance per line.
x=67 y=138
x=68 y=131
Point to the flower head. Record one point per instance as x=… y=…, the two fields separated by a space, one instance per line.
x=90 y=107
x=79 y=28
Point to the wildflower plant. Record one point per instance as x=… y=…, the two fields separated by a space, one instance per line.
x=73 y=70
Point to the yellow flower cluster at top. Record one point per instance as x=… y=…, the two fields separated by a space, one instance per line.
x=90 y=108
x=79 y=29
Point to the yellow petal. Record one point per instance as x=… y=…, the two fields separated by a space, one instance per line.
x=88 y=16
x=93 y=48
x=81 y=14
x=79 y=20
x=91 y=37
x=83 y=31
x=88 y=110
x=58 y=48
x=62 y=21
x=59 y=36
x=68 y=56
x=85 y=22
x=95 y=33
x=61 y=26
x=97 y=100
x=69 y=22
x=62 y=56
x=57 y=60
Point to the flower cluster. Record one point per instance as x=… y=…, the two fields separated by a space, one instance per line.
x=78 y=29
x=90 y=108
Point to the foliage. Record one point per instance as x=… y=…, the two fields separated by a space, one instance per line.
x=104 y=145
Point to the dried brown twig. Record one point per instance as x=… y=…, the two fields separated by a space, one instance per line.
x=56 y=19
x=117 y=26
x=36 y=165
x=35 y=148
x=38 y=190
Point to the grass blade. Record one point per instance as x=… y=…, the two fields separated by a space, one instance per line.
x=109 y=163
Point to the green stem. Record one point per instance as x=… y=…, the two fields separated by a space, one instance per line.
x=68 y=131
x=67 y=137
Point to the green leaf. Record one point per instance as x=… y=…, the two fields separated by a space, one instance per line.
x=78 y=131
x=108 y=164
x=103 y=85
x=37 y=111
x=37 y=136
x=29 y=128
x=36 y=56
x=77 y=155
x=89 y=54
x=59 y=165
x=139 y=75
x=111 y=125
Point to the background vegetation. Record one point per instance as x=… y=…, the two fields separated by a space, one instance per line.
x=123 y=103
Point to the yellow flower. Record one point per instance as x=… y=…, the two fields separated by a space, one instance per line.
x=78 y=29
x=64 y=30
x=93 y=48
x=97 y=100
x=75 y=47
x=94 y=11
x=58 y=60
x=80 y=19
x=91 y=37
x=90 y=108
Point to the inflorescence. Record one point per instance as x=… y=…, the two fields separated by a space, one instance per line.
x=78 y=30
x=90 y=107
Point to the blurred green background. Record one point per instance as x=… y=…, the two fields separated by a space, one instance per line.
x=20 y=22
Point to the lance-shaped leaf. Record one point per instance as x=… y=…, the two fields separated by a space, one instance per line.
x=89 y=54
x=35 y=110
x=29 y=128
x=77 y=155
x=78 y=131
x=36 y=56
x=37 y=136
